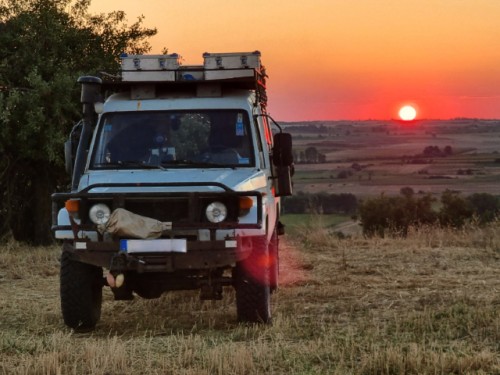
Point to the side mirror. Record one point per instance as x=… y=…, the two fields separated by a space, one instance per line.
x=282 y=150
x=284 y=187
x=283 y=161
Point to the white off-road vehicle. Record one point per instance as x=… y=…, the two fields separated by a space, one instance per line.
x=176 y=179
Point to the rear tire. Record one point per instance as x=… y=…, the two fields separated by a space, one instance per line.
x=81 y=293
x=253 y=294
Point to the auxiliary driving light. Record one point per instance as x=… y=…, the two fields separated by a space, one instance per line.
x=99 y=213
x=216 y=212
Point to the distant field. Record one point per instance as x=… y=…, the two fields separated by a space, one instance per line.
x=389 y=156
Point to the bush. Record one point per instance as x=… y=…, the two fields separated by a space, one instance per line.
x=395 y=215
x=485 y=207
x=455 y=210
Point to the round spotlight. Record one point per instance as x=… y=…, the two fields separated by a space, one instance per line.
x=99 y=213
x=216 y=212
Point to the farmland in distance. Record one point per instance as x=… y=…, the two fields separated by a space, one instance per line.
x=372 y=157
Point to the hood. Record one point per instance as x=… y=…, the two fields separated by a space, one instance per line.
x=247 y=179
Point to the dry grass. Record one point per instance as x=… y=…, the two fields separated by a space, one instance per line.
x=424 y=305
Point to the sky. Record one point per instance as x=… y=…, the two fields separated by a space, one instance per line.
x=344 y=59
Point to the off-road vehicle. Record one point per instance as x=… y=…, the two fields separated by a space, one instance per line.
x=176 y=177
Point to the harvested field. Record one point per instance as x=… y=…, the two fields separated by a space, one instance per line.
x=427 y=304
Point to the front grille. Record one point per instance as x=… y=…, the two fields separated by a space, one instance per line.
x=168 y=209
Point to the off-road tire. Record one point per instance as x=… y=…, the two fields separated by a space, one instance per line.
x=253 y=294
x=81 y=293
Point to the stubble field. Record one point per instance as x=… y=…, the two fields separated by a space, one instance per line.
x=427 y=304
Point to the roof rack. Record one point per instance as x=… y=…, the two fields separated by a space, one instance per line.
x=236 y=70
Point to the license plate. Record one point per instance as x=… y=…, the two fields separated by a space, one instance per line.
x=153 y=246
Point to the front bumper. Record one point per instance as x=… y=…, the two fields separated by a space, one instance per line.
x=199 y=255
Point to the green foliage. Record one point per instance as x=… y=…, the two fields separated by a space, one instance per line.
x=455 y=210
x=485 y=207
x=394 y=215
x=45 y=45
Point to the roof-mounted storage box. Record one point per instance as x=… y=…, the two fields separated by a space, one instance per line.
x=145 y=68
x=239 y=60
x=231 y=65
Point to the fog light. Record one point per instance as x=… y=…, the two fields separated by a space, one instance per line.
x=99 y=213
x=216 y=212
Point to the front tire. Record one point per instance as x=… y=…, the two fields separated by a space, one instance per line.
x=81 y=293
x=253 y=294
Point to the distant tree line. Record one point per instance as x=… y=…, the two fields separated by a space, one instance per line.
x=310 y=155
x=309 y=129
x=435 y=151
x=322 y=203
x=395 y=215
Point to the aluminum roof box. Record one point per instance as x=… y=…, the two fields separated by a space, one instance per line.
x=234 y=60
x=149 y=68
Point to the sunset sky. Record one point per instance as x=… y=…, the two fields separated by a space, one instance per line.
x=345 y=59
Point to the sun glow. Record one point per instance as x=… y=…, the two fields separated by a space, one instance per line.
x=407 y=113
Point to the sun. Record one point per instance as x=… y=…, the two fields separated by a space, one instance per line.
x=407 y=113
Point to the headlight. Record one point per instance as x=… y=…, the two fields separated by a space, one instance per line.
x=216 y=212
x=99 y=213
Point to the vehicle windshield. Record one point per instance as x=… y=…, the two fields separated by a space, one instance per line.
x=164 y=139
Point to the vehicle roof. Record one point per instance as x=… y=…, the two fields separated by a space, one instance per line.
x=179 y=100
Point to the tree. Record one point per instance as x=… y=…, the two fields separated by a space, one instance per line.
x=311 y=154
x=485 y=206
x=373 y=215
x=395 y=215
x=455 y=210
x=45 y=45
x=407 y=192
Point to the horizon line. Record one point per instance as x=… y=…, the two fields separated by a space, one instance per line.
x=399 y=120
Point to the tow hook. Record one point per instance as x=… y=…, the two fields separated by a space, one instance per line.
x=115 y=282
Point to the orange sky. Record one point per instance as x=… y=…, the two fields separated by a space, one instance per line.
x=345 y=59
